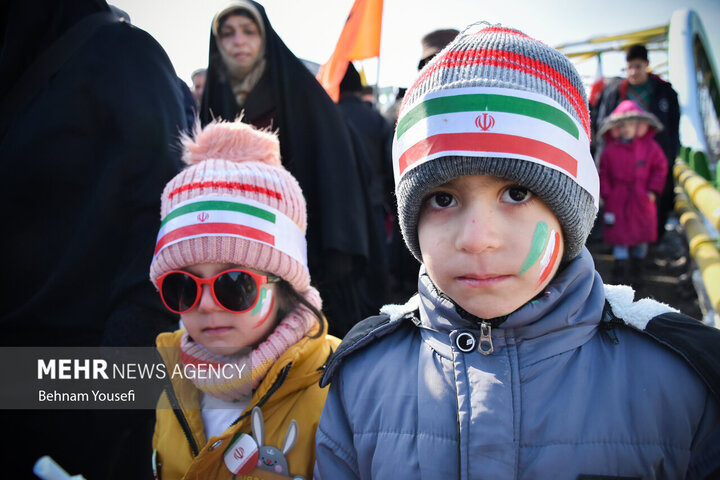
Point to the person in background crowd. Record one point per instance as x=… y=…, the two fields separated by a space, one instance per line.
x=656 y=96
x=375 y=136
x=433 y=42
x=633 y=169
x=514 y=360
x=367 y=94
x=251 y=73
x=90 y=111
x=403 y=266
x=391 y=112
x=189 y=105
x=198 y=84
x=245 y=304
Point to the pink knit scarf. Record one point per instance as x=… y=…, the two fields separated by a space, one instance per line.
x=231 y=385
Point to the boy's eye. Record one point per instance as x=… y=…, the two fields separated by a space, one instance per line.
x=441 y=200
x=516 y=194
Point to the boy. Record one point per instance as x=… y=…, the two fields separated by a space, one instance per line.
x=507 y=364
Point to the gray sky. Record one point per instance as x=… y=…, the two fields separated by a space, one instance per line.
x=310 y=28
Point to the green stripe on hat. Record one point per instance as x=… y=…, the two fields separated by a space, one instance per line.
x=220 y=205
x=481 y=102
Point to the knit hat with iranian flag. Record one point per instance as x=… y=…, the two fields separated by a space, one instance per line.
x=234 y=204
x=498 y=102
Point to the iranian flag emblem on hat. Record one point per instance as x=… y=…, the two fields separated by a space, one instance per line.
x=498 y=123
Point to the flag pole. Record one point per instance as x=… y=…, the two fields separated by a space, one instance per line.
x=377 y=83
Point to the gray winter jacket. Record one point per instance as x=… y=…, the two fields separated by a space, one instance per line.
x=555 y=395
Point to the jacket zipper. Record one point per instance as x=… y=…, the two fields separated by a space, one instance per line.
x=183 y=421
x=186 y=427
x=275 y=386
x=486 y=345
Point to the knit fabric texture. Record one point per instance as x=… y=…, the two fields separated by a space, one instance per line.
x=235 y=204
x=498 y=102
x=288 y=332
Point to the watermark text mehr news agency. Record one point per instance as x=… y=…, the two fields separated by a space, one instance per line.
x=98 y=369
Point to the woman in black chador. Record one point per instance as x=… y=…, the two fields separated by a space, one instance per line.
x=252 y=73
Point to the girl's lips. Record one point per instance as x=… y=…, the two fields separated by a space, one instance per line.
x=216 y=330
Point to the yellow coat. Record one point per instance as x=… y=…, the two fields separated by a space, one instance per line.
x=289 y=391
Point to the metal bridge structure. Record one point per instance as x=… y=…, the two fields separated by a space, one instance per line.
x=688 y=63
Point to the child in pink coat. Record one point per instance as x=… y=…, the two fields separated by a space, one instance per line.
x=632 y=175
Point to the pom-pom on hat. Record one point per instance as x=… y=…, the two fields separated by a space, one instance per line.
x=234 y=204
x=497 y=102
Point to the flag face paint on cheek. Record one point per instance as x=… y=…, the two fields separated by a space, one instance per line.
x=539 y=240
x=551 y=256
x=264 y=307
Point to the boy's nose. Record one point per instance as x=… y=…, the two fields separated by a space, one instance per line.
x=478 y=232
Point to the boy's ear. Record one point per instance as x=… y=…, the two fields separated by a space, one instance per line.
x=642 y=129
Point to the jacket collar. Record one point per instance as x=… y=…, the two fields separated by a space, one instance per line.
x=573 y=302
x=306 y=359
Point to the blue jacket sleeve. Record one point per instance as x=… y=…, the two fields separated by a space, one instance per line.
x=335 y=455
x=705 y=450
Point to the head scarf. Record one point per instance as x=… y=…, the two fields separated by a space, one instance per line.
x=242 y=78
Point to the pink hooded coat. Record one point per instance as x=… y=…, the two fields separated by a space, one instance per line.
x=628 y=172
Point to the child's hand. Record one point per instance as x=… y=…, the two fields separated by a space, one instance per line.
x=651 y=196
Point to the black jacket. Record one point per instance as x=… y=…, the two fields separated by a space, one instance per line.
x=84 y=162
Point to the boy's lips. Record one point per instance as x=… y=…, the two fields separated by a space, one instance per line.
x=480 y=280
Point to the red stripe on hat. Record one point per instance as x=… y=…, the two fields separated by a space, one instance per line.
x=488 y=142
x=245 y=187
x=500 y=30
x=513 y=61
x=217 y=229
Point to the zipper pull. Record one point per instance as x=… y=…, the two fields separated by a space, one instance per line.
x=486 y=346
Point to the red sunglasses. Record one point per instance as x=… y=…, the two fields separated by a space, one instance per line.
x=235 y=290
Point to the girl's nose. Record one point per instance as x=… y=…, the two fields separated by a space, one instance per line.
x=207 y=302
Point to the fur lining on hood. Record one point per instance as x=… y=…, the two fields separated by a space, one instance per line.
x=634 y=313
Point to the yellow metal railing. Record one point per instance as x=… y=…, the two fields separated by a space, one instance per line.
x=694 y=196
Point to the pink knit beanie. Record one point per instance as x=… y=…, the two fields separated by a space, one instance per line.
x=234 y=204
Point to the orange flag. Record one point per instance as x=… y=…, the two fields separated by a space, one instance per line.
x=359 y=39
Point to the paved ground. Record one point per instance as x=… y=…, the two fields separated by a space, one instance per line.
x=667 y=275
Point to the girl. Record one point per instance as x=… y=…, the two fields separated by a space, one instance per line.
x=632 y=175
x=231 y=260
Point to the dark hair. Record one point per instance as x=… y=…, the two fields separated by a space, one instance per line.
x=351 y=81
x=439 y=38
x=289 y=299
x=636 y=52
